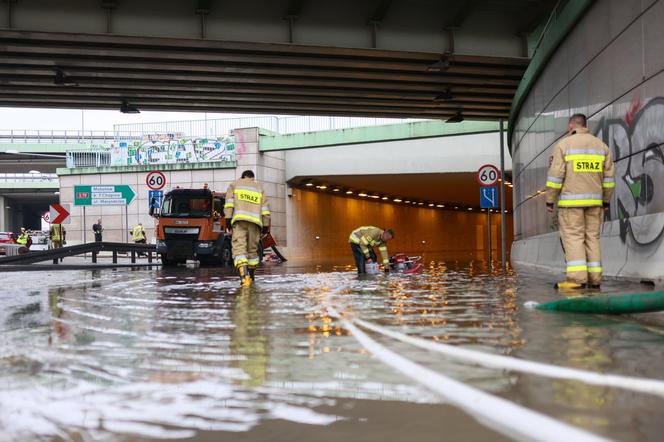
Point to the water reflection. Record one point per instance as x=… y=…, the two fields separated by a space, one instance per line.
x=173 y=353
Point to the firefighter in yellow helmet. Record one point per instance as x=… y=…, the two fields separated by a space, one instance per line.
x=581 y=181
x=362 y=241
x=247 y=213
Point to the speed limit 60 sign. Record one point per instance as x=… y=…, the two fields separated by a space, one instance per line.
x=155 y=180
x=488 y=175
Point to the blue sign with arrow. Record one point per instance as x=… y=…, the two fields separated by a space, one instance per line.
x=154 y=198
x=488 y=197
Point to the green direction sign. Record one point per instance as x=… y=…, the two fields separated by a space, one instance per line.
x=103 y=195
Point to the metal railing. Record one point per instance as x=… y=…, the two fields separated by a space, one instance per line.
x=56 y=136
x=81 y=158
x=28 y=177
x=223 y=126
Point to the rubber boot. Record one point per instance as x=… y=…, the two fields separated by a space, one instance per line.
x=567 y=285
x=245 y=277
x=252 y=273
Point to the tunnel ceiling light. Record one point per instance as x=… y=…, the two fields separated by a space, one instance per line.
x=440 y=205
x=362 y=194
x=420 y=204
x=396 y=200
x=309 y=184
x=336 y=189
x=375 y=196
x=349 y=192
x=127 y=108
x=323 y=187
x=456 y=207
x=470 y=208
x=407 y=202
x=431 y=204
x=384 y=198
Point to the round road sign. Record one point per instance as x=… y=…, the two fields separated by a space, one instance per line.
x=155 y=180
x=488 y=175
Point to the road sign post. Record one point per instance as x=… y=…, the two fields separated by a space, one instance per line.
x=487 y=177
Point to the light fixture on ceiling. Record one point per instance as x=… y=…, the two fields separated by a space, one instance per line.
x=62 y=79
x=127 y=108
x=456 y=118
x=445 y=95
x=384 y=198
x=336 y=189
x=349 y=192
x=309 y=184
x=441 y=65
x=396 y=200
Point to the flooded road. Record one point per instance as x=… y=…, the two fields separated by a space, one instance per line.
x=186 y=354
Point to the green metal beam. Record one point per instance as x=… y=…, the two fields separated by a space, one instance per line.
x=4 y=185
x=558 y=30
x=270 y=142
x=61 y=171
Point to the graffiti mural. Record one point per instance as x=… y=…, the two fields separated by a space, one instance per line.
x=158 y=151
x=636 y=142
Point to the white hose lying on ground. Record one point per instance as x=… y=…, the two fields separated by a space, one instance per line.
x=504 y=416
x=650 y=386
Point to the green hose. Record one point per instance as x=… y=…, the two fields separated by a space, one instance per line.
x=609 y=304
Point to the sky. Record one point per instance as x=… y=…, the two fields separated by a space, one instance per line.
x=76 y=119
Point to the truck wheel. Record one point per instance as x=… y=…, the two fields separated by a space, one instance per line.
x=167 y=262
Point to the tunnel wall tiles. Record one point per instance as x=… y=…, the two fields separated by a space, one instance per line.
x=620 y=85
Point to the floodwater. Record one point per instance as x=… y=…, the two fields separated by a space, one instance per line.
x=181 y=353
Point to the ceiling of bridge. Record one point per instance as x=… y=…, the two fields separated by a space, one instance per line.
x=412 y=59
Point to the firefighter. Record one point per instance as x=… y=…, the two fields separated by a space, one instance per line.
x=247 y=215
x=363 y=239
x=581 y=181
x=24 y=238
x=139 y=236
x=57 y=234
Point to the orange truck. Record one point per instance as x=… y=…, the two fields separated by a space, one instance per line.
x=191 y=225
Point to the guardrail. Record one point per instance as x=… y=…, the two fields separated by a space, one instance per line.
x=56 y=136
x=93 y=247
x=28 y=177
x=80 y=158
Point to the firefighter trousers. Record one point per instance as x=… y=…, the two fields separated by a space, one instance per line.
x=579 y=232
x=245 y=243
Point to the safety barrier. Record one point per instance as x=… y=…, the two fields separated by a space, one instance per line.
x=94 y=248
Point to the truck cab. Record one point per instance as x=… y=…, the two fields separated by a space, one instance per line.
x=191 y=225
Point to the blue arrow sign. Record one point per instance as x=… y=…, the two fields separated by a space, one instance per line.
x=489 y=197
x=154 y=198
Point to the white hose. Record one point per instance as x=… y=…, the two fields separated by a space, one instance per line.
x=503 y=416
x=650 y=386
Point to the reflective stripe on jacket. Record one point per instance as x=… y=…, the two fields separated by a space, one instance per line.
x=582 y=173
x=22 y=239
x=246 y=201
x=369 y=236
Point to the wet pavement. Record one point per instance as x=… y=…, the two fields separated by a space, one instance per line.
x=154 y=354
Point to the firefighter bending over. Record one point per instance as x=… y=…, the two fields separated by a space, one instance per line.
x=363 y=239
x=581 y=180
x=247 y=213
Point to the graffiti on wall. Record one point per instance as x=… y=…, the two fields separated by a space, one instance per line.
x=172 y=151
x=636 y=142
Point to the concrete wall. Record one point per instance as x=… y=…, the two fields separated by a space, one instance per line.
x=611 y=67
x=269 y=169
x=418 y=230
x=462 y=153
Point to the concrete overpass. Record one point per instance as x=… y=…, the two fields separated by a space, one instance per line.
x=395 y=58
